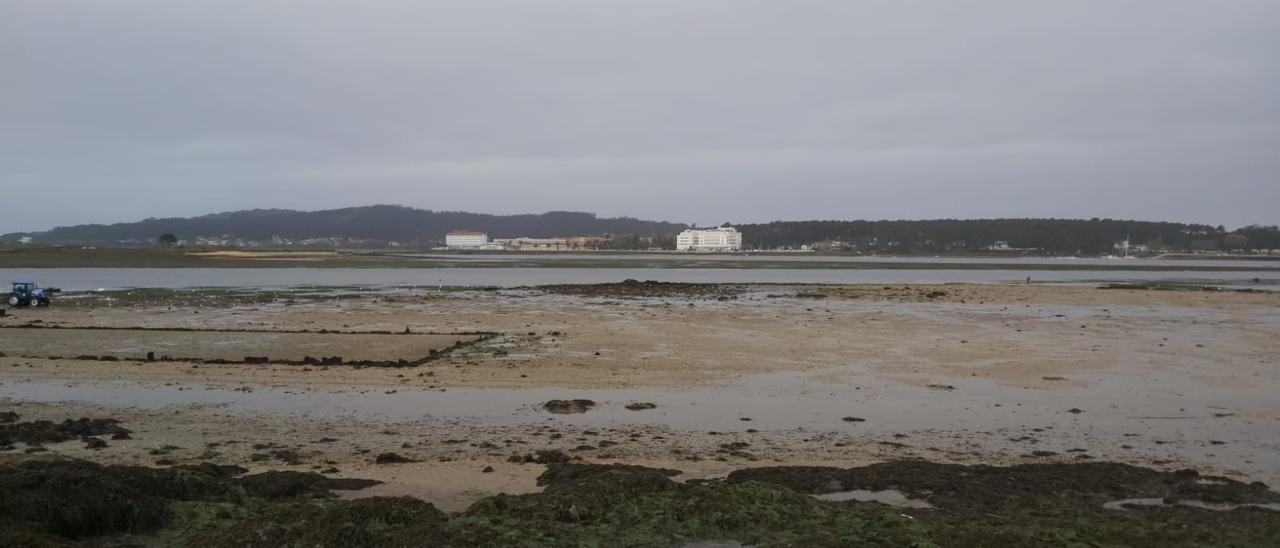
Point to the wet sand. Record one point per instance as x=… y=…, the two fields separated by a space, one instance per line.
x=764 y=375
x=228 y=345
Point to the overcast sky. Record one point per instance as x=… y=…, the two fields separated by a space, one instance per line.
x=684 y=110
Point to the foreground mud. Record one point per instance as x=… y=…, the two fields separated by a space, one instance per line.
x=60 y=502
x=774 y=403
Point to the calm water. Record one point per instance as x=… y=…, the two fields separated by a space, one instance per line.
x=1013 y=262
x=79 y=279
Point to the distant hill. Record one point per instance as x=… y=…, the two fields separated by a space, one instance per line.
x=379 y=223
x=373 y=226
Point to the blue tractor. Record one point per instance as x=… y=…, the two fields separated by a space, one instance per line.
x=25 y=293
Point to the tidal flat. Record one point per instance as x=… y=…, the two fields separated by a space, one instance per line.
x=755 y=414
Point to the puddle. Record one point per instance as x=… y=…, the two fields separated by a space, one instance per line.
x=890 y=497
x=1116 y=420
x=1219 y=506
x=774 y=401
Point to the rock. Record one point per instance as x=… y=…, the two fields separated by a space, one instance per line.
x=288 y=456
x=640 y=406
x=215 y=470
x=94 y=443
x=854 y=419
x=487 y=470
x=286 y=484
x=549 y=456
x=568 y=406
x=545 y=456
x=391 y=458
x=1075 y=411
x=942 y=387
x=43 y=431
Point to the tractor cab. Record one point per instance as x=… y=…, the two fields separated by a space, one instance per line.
x=25 y=293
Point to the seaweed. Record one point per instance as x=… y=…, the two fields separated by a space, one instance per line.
x=39 y=432
x=1037 y=505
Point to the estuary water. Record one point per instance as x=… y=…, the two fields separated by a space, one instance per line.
x=88 y=279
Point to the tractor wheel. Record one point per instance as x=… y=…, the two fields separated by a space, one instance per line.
x=13 y=300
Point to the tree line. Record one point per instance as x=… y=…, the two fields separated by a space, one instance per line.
x=1042 y=236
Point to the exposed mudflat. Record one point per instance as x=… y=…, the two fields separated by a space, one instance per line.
x=704 y=380
x=242 y=344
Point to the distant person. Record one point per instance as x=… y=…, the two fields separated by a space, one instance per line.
x=1028 y=279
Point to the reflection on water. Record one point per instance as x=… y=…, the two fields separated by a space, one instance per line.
x=1159 y=502
x=657 y=258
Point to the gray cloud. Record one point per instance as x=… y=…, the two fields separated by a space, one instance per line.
x=703 y=111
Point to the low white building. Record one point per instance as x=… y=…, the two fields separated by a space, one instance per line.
x=465 y=239
x=533 y=244
x=725 y=238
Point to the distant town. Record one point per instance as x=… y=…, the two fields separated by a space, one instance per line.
x=712 y=240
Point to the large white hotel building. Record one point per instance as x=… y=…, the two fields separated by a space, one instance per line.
x=466 y=239
x=709 y=239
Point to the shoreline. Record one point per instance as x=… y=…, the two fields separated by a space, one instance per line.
x=320 y=259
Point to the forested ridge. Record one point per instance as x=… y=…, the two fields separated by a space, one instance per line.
x=379 y=222
x=1052 y=236
x=410 y=226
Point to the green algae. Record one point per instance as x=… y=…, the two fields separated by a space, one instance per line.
x=61 y=503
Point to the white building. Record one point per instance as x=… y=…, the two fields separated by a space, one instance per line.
x=465 y=239
x=533 y=244
x=709 y=239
